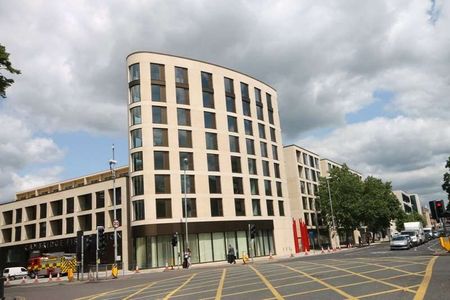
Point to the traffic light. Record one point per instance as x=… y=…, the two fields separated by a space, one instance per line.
x=101 y=238
x=174 y=240
x=79 y=239
x=252 y=231
x=440 y=208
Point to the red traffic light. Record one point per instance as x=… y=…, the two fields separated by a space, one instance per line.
x=439 y=204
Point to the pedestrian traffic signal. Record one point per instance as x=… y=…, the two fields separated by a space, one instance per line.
x=174 y=240
x=252 y=231
x=101 y=238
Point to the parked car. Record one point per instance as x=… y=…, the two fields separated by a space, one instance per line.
x=15 y=272
x=401 y=242
x=414 y=235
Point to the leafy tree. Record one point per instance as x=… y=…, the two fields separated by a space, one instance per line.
x=446 y=184
x=5 y=64
x=404 y=217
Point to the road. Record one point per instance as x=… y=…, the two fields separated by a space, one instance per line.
x=372 y=272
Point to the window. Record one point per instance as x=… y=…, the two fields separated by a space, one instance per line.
x=268 y=187
x=157 y=72
x=231 y=104
x=311 y=203
x=136 y=138
x=305 y=203
x=42 y=229
x=250 y=146
x=236 y=164
x=162 y=184
x=232 y=124
x=246 y=108
x=184 y=117
x=134 y=72
x=138 y=185
x=159 y=115
x=258 y=95
x=181 y=75
x=270 y=117
x=216 y=207
x=281 y=208
x=190 y=184
x=135 y=93
x=263 y=149
x=69 y=225
x=43 y=210
x=254 y=188
x=229 y=88
x=161 y=160
x=279 y=189
x=244 y=91
x=266 y=168
x=69 y=205
x=211 y=141
x=208 y=100
x=163 y=208
x=269 y=207
x=269 y=101
x=210 y=119
x=138 y=210
x=252 y=166
x=100 y=199
x=262 y=131
x=214 y=185
x=274 y=152
x=238 y=187
x=158 y=93
x=135 y=113
x=305 y=159
x=273 y=135
x=234 y=143
x=182 y=95
x=256 y=207
x=207 y=83
x=136 y=161
x=239 y=207
x=191 y=207
x=160 y=137
x=184 y=138
x=259 y=113
x=302 y=187
x=276 y=168
x=190 y=160
x=248 y=127
x=19 y=215
x=213 y=162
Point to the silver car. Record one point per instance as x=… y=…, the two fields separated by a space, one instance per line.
x=401 y=242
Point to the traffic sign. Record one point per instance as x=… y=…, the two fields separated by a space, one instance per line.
x=116 y=223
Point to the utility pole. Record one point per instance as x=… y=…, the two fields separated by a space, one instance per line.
x=333 y=233
x=112 y=164
x=185 y=162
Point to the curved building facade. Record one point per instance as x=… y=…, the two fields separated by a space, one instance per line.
x=205 y=139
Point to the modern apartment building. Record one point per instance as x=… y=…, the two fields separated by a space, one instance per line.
x=409 y=202
x=326 y=165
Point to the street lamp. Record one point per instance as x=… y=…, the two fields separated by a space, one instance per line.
x=185 y=164
x=333 y=233
x=112 y=164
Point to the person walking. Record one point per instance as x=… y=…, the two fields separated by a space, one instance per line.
x=231 y=255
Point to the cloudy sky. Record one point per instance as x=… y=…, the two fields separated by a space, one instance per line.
x=361 y=82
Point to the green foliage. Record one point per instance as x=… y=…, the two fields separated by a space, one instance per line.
x=5 y=64
x=446 y=179
x=404 y=217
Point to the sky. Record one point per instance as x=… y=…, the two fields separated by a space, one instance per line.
x=365 y=83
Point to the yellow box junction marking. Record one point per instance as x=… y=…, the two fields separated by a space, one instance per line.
x=179 y=288
x=426 y=280
x=140 y=291
x=268 y=284
x=220 y=288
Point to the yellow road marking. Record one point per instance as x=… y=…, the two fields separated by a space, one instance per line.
x=386 y=292
x=303 y=293
x=323 y=283
x=95 y=296
x=395 y=268
x=268 y=284
x=220 y=288
x=402 y=275
x=426 y=280
x=138 y=292
x=180 y=287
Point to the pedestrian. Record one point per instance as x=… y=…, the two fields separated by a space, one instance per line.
x=187 y=258
x=231 y=255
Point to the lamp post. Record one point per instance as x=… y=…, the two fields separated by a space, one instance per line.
x=333 y=233
x=112 y=164
x=185 y=162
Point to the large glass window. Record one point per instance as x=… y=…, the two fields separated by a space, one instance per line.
x=262 y=131
x=137 y=162
x=159 y=115
x=181 y=75
x=239 y=207
x=257 y=95
x=256 y=207
x=273 y=135
x=135 y=93
x=160 y=137
x=268 y=187
x=216 y=207
x=244 y=91
x=231 y=104
x=270 y=113
x=281 y=208
x=207 y=82
x=157 y=72
x=246 y=108
x=99 y=199
x=161 y=160
x=234 y=143
x=163 y=208
x=250 y=146
x=158 y=93
x=43 y=209
x=184 y=117
x=266 y=169
x=134 y=72
x=263 y=149
x=259 y=112
x=252 y=166
x=162 y=184
x=276 y=168
x=214 y=185
x=213 y=162
x=229 y=88
x=138 y=210
x=182 y=95
x=232 y=124
x=208 y=100
x=274 y=152
x=69 y=206
x=236 y=164
x=248 y=127
x=279 y=189
x=190 y=184
x=238 y=187
x=185 y=138
x=191 y=208
x=136 y=138
x=254 y=188
x=210 y=119
x=269 y=207
x=190 y=160
x=211 y=141
x=138 y=185
x=135 y=113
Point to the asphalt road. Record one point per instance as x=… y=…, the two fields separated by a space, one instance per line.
x=372 y=272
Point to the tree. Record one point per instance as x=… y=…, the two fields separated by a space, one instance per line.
x=5 y=64
x=446 y=184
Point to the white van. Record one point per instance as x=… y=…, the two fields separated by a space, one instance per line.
x=15 y=272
